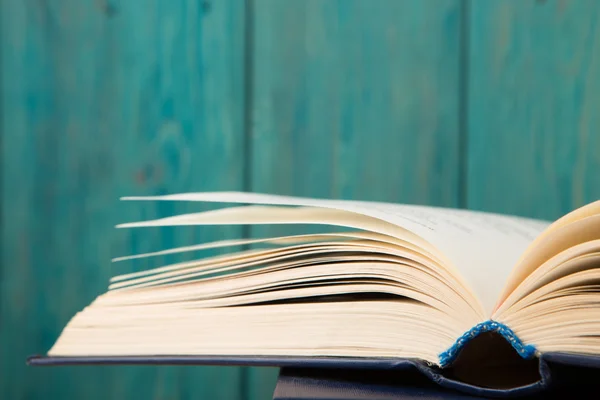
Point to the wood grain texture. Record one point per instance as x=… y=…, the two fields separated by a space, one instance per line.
x=102 y=99
x=355 y=100
x=534 y=106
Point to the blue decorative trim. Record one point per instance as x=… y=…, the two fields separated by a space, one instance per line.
x=525 y=351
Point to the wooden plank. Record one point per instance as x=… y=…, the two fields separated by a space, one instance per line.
x=355 y=100
x=102 y=99
x=534 y=106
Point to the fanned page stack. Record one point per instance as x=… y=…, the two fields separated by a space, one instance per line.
x=401 y=281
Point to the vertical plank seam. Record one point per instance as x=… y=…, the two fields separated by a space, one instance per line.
x=247 y=164
x=463 y=102
x=248 y=92
x=2 y=38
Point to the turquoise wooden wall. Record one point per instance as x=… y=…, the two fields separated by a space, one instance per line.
x=491 y=105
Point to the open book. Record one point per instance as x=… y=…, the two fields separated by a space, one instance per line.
x=400 y=281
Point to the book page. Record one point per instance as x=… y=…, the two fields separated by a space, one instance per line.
x=571 y=229
x=483 y=247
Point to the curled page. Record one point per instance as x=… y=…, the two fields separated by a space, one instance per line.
x=483 y=247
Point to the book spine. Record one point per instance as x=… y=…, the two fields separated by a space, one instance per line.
x=525 y=351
